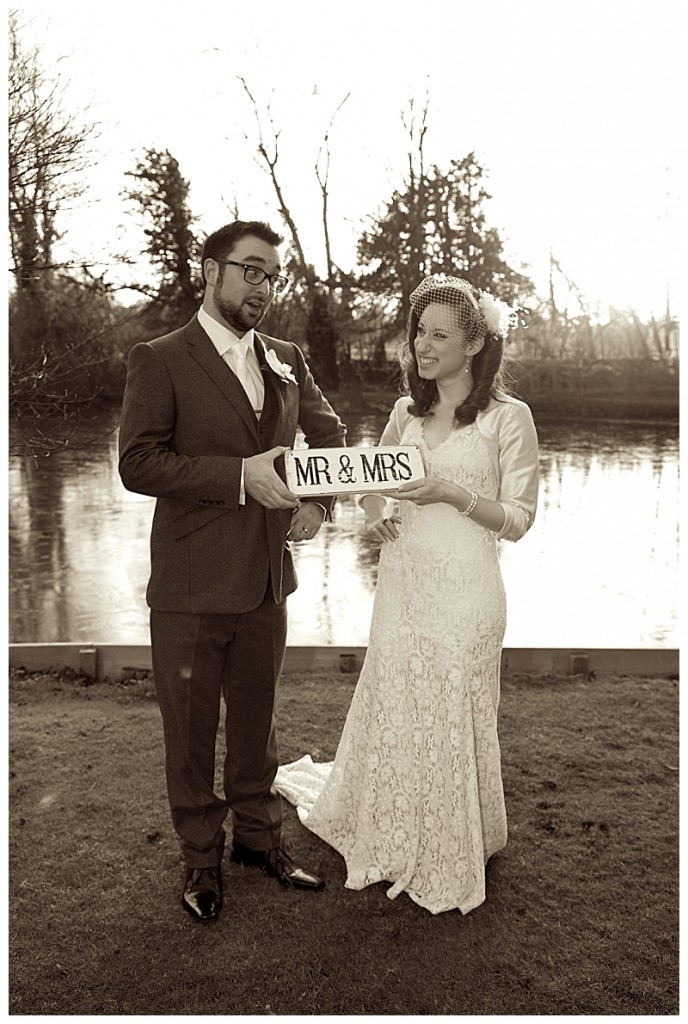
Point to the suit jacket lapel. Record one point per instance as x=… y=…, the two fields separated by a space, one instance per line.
x=204 y=352
x=273 y=385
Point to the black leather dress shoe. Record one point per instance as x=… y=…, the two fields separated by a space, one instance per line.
x=279 y=865
x=202 y=896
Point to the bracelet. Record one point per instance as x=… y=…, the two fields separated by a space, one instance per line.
x=473 y=502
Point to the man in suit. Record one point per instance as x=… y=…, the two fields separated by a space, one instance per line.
x=207 y=412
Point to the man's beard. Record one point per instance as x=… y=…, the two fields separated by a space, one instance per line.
x=239 y=317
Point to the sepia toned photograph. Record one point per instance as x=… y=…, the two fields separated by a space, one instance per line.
x=343 y=487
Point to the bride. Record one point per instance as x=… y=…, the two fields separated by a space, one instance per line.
x=414 y=796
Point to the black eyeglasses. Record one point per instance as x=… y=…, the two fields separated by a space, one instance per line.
x=277 y=283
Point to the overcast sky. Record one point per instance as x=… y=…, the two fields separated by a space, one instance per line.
x=571 y=107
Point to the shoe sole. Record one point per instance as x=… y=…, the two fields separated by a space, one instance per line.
x=197 y=917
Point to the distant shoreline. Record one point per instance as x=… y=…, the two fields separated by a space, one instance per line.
x=632 y=392
x=640 y=411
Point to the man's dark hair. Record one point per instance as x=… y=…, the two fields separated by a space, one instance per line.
x=222 y=241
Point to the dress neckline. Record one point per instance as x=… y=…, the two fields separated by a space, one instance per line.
x=432 y=448
x=452 y=430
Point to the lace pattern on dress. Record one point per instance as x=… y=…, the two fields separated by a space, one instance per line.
x=414 y=796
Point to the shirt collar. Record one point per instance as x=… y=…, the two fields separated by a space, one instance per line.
x=223 y=338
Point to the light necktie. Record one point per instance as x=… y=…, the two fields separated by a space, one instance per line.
x=239 y=354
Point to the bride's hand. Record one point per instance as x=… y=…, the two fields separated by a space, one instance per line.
x=428 y=491
x=384 y=529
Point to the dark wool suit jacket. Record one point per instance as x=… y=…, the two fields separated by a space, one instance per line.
x=186 y=426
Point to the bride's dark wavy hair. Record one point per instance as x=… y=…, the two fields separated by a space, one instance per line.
x=489 y=377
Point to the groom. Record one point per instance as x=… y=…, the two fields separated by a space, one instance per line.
x=208 y=411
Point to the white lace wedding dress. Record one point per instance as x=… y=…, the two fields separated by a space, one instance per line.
x=414 y=796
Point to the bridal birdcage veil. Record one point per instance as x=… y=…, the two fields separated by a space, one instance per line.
x=477 y=312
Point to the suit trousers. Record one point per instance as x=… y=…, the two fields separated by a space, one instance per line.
x=196 y=658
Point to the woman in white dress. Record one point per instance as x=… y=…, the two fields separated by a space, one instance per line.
x=414 y=796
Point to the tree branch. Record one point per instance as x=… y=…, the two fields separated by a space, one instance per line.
x=271 y=163
x=323 y=182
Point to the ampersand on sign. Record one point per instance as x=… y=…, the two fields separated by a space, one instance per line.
x=346 y=472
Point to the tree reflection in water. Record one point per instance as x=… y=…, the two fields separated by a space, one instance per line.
x=598 y=568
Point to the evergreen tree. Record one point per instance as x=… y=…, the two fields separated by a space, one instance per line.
x=436 y=224
x=161 y=194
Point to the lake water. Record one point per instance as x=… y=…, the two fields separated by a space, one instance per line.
x=599 y=568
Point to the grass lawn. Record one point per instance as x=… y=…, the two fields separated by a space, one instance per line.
x=581 y=915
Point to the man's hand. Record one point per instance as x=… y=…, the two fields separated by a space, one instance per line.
x=262 y=482
x=306 y=522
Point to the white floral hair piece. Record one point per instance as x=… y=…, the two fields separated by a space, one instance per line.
x=497 y=315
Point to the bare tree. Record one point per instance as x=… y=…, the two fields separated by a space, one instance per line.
x=322 y=173
x=321 y=311
x=269 y=154
x=416 y=125
x=48 y=154
x=570 y=321
x=59 y=312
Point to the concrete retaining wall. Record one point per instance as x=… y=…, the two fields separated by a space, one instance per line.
x=123 y=661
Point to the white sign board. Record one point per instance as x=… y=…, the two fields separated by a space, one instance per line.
x=314 y=471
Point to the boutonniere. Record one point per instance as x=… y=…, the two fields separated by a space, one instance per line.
x=283 y=370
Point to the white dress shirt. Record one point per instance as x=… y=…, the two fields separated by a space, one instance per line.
x=226 y=342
